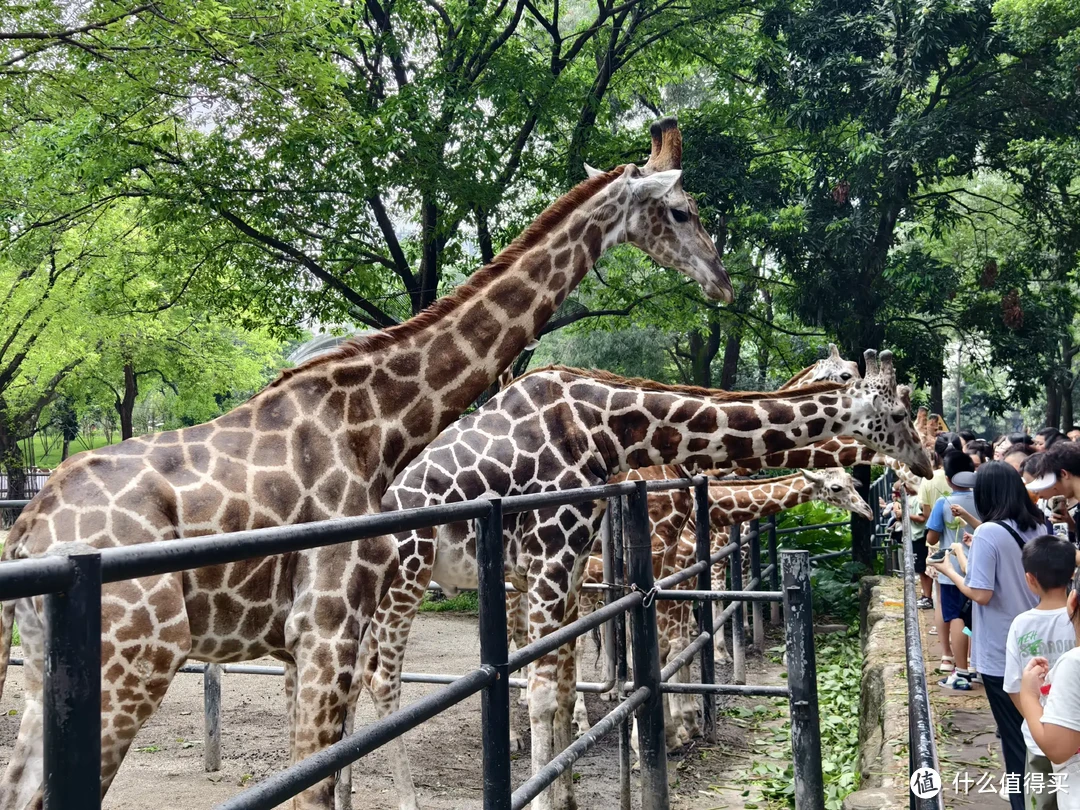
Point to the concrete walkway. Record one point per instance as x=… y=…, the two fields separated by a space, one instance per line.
x=967 y=745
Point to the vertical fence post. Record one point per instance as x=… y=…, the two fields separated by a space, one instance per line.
x=617 y=510
x=212 y=718
x=774 y=575
x=495 y=699
x=802 y=681
x=705 y=613
x=646 y=651
x=738 y=630
x=755 y=574
x=72 y=689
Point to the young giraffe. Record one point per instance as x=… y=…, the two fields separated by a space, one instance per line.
x=323 y=441
x=730 y=502
x=560 y=428
x=740 y=502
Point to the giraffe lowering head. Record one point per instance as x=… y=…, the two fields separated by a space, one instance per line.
x=664 y=223
x=836 y=487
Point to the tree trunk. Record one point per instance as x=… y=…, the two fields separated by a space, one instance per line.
x=125 y=406
x=862 y=530
x=937 y=401
x=11 y=460
x=730 y=372
x=704 y=346
x=1053 y=404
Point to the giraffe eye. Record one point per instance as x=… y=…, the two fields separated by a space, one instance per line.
x=836 y=488
x=845 y=376
x=680 y=215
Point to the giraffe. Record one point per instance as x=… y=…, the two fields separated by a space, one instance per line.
x=323 y=441
x=669 y=510
x=558 y=428
x=730 y=502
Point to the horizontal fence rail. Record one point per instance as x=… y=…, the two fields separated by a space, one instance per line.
x=72 y=585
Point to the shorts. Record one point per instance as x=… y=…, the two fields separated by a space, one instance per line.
x=919 y=547
x=952 y=602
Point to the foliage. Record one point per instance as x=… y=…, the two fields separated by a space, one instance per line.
x=834 y=582
x=464 y=602
x=839 y=669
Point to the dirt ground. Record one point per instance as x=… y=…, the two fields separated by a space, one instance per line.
x=165 y=767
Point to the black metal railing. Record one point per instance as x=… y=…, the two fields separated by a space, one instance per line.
x=922 y=748
x=72 y=587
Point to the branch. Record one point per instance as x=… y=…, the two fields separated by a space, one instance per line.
x=364 y=310
x=80 y=30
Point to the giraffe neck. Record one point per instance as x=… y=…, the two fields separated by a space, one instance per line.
x=738 y=504
x=696 y=428
x=409 y=382
x=842 y=451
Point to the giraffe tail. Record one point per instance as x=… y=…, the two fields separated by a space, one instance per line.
x=7 y=626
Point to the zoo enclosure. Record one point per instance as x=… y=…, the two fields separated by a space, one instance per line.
x=72 y=588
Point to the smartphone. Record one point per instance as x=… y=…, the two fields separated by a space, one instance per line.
x=938 y=556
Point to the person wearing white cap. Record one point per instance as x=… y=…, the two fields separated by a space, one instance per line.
x=1057 y=473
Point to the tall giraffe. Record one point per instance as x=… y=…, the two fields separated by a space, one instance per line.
x=323 y=441
x=559 y=428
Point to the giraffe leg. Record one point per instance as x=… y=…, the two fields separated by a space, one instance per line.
x=22 y=783
x=517 y=632
x=581 y=712
x=150 y=617
x=383 y=653
x=562 y=725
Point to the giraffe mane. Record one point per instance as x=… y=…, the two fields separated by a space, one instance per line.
x=714 y=394
x=539 y=230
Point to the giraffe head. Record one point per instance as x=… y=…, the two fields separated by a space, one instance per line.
x=835 y=487
x=834 y=368
x=882 y=414
x=662 y=219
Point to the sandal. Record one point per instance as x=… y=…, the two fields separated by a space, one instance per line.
x=947 y=664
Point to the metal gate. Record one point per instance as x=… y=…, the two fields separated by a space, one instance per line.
x=72 y=588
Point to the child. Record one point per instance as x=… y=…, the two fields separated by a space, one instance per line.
x=1044 y=632
x=943 y=530
x=1056 y=727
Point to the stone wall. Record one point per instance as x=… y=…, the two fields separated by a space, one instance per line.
x=883 y=714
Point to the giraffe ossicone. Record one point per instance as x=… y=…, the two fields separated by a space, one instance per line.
x=323 y=441
x=558 y=428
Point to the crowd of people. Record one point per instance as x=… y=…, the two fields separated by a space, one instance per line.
x=995 y=540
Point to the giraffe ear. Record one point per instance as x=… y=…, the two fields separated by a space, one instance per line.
x=655 y=186
x=813 y=477
x=591 y=172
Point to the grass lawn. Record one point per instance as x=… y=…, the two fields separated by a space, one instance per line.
x=51 y=459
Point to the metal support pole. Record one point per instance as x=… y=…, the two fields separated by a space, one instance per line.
x=646 y=652
x=705 y=612
x=802 y=681
x=617 y=510
x=774 y=574
x=212 y=718
x=738 y=629
x=494 y=652
x=755 y=575
x=72 y=689
x=607 y=631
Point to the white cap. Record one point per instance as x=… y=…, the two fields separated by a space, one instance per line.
x=1043 y=482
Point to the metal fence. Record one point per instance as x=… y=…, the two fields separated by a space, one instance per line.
x=922 y=748
x=72 y=588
